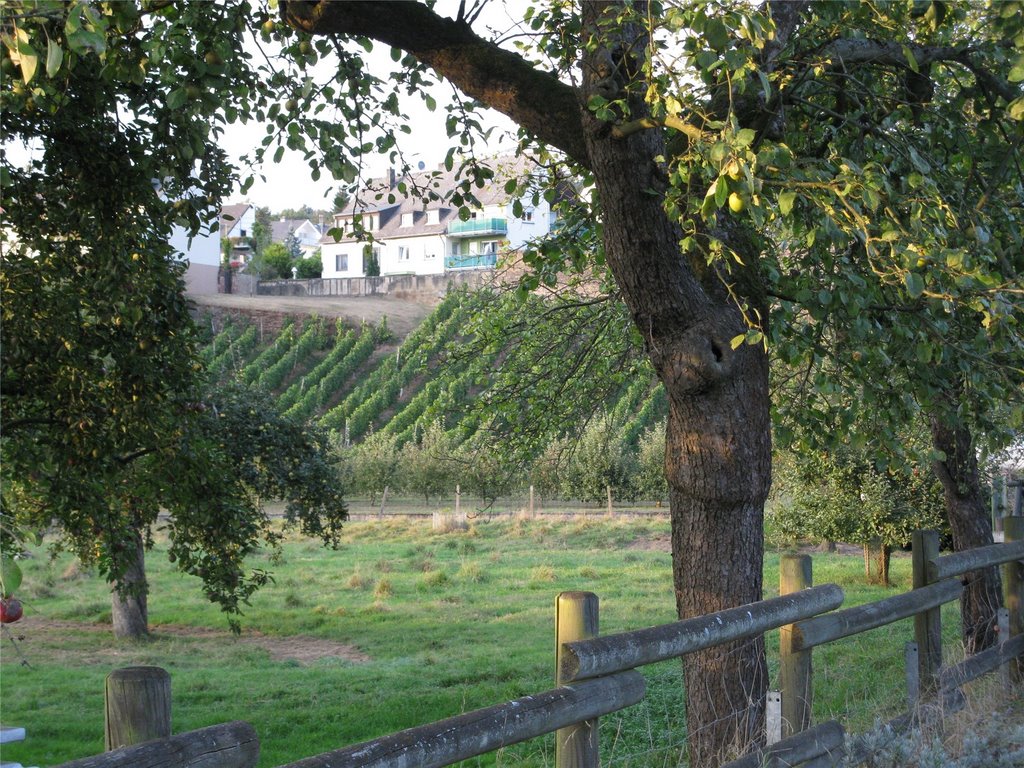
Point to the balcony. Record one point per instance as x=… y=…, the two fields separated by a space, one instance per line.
x=471 y=261
x=477 y=227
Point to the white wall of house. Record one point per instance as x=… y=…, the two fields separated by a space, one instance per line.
x=343 y=259
x=203 y=255
x=416 y=255
x=536 y=222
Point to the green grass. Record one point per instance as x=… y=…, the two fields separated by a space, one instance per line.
x=450 y=622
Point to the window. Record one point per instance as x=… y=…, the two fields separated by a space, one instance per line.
x=456 y=248
x=341 y=262
x=433 y=217
x=403 y=253
x=242 y=231
x=406 y=219
x=528 y=214
x=489 y=247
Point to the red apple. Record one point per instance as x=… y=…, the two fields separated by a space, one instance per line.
x=10 y=610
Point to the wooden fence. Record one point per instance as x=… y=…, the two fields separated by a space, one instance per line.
x=596 y=675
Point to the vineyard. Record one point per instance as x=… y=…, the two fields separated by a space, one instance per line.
x=414 y=413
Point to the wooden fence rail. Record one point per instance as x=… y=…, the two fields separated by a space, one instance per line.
x=596 y=675
x=228 y=745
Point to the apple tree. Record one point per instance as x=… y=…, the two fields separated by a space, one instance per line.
x=761 y=176
x=110 y=119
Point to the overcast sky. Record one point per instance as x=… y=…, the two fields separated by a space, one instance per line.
x=288 y=184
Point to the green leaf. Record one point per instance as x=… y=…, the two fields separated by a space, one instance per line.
x=911 y=61
x=786 y=200
x=745 y=137
x=737 y=341
x=721 y=192
x=54 y=58
x=1017 y=70
x=915 y=284
x=716 y=34
x=1015 y=109
x=10 y=576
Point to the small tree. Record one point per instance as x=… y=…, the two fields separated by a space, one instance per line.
x=371 y=264
x=277 y=263
x=598 y=461
x=649 y=478
x=374 y=464
x=310 y=267
x=427 y=465
x=292 y=245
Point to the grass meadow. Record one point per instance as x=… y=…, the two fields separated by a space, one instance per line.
x=438 y=624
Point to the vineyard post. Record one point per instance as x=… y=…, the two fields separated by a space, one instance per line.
x=927 y=624
x=795 y=671
x=576 y=618
x=137 y=706
x=1013 y=590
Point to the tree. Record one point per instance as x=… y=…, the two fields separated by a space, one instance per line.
x=428 y=463
x=292 y=245
x=371 y=263
x=277 y=263
x=103 y=403
x=375 y=464
x=310 y=267
x=262 y=230
x=692 y=175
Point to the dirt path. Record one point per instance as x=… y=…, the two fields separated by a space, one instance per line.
x=403 y=314
x=300 y=648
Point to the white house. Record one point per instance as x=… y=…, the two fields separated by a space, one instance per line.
x=305 y=231
x=421 y=237
x=236 y=224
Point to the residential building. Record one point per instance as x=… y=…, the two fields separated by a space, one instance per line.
x=202 y=252
x=236 y=225
x=419 y=231
x=305 y=231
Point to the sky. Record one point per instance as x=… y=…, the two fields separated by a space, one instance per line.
x=288 y=184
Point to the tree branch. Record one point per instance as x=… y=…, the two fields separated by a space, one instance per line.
x=538 y=101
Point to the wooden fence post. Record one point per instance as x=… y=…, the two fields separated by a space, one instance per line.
x=576 y=618
x=927 y=624
x=137 y=706
x=794 y=666
x=1013 y=590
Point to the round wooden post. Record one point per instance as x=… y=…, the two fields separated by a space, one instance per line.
x=794 y=666
x=927 y=624
x=1013 y=590
x=137 y=706
x=576 y=618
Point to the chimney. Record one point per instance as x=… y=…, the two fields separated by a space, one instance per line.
x=392 y=178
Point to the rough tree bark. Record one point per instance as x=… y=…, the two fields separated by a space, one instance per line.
x=971 y=527
x=718 y=453
x=129 y=610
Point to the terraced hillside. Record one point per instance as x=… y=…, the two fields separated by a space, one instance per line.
x=360 y=380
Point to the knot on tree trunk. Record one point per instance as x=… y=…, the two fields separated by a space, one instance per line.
x=698 y=359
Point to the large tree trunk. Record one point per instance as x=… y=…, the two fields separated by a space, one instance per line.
x=718 y=445
x=971 y=527
x=128 y=601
